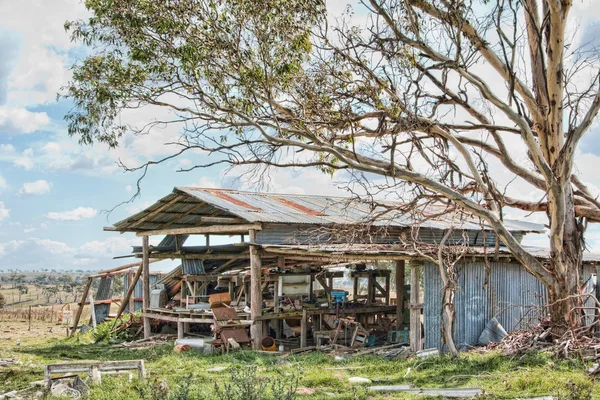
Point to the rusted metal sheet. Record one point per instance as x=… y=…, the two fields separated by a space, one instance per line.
x=238 y=334
x=225 y=314
x=193 y=203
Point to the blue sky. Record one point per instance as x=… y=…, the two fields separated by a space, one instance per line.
x=53 y=191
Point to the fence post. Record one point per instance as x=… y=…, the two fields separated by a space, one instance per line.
x=29 y=318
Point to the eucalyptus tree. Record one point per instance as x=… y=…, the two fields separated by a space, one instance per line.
x=430 y=101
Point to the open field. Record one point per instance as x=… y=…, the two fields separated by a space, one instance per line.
x=319 y=375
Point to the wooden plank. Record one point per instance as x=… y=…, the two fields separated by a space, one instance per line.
x=255 y=293
x=415 y=312
x=146 y=283
x=81 y=304
x=202 y=230
x=200 y=256
x=122 y=267
x=161 y=317
x=400 y=270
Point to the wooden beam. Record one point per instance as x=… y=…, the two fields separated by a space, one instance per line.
x=156 y=212
x=415 y=309
x=213 y=229
x=201 y=256
x=255 y=293
x=146 y=280
x=222 y=220
x=122 y=267
x=81 y=304
x=314 y=254
x=400 y=270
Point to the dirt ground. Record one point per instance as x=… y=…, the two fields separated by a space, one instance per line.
x=13 y=330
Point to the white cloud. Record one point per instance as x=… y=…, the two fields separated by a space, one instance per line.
x=73 y=215
x=24 y=162
x=3 y=185
x=7 y=149
x=128 y=188
x=4 y=212
x=39 y=62
x=38 y=187
x=113 y=246
x=21 y=120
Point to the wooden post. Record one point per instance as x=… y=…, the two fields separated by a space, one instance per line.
x=93 y=310
x=303 y=329
x=84 y=296
x=400 y=268
x=131 y=279
x=29 y=329
x=146 y=281
x=597 y=312
x=415 y=307
x=370 y=289
x=180 y=330
x=255 y=293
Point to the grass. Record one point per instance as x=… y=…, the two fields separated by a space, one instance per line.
x=502 y=377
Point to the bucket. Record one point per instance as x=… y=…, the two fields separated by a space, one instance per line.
x=268 y=344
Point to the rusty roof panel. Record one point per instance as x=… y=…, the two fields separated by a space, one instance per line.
x=186 y=206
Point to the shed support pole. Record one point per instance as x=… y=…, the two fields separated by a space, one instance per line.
x=415 y=307
x=131 y=278
x=400 y=268
x=255 y=293
x=597 y=312
x=303 y=329
x=81 y=304
x=180 y=330
x=146 y=282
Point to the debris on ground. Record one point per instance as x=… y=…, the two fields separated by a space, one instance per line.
x=145 y=343
x=4 y=363
x=71 y=387
x=444 y=392
x=359 y=380
x=493 y=332
x=216 y=369
x=583 y=344
x=428 y=353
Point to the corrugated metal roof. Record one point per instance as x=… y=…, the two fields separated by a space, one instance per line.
x=187 y=205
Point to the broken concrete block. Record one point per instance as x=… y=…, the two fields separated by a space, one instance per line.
x=359 y=380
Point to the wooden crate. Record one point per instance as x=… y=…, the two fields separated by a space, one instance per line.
x=219 y=299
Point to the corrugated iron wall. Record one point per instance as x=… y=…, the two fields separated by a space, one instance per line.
x=513 y=296
x=303 y=234
x=138 y=291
